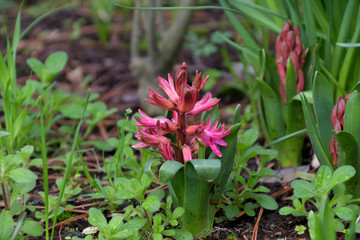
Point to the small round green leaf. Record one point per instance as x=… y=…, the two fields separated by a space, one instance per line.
x=32 y=228
x=342 y=174
x=286 y=210
x=22 y=175
x=151 y=204
x=265 y=201
x=303 y=189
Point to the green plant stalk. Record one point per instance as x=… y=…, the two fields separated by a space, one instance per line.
x=68 y=166
x=45 y=170
x=5 y=196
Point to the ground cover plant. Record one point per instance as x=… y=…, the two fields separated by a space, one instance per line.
x=258 y=90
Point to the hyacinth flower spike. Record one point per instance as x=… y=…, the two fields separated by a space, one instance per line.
x=338 y=123
x=183 y=102
x=189 y=179
x=289 y=46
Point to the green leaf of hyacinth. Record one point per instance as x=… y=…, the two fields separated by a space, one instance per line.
x=227 y=160
x=214 y=115
x=167 y=171
x=323 y=105
x=272 y=110
x=313 y=134
x=356 y=87
x=206 y=169
x=148 y=169
x=200 y=213
x=290 y=155
x=290 y=81
x=352 y=115
x=237 y=112
x=349 y=154
x=348 y=148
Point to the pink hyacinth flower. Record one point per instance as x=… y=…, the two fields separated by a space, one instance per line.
x=166 y=151
x=186 y=151
x=149 y=139
x=204 y=105
x=211 y=136
x=169 y=88
x=158 y=100
x=164 y=124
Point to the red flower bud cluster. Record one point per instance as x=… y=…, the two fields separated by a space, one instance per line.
x=289 y=45
x=337 y=121
x=183 y=101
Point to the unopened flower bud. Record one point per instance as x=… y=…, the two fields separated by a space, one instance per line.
x=289 y=45
x=181 y=78
x=338 y=123
x=188 y=98
x=186 y=151
x=195 y=130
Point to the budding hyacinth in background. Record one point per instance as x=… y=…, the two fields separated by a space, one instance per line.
x=183 y=101
x=289 y=45
x=337 y=121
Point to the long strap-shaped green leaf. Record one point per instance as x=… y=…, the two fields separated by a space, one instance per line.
x=349 y=155
x=352 y=115
x=199 y=212
x=227 y=161
x=323 y=105
x=313 y=133
x=272 y=110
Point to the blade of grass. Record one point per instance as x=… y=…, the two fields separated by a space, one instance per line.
x=309 y=22
x=87 y=173
x=243 y=49
x=331 y=77
x=45 y=169
x=286 y=137
x=342 y=36
x=248 y=39
x=18 y=226
x=350 y=61
x=68 y=165
x=348 y=45
x=177 y=8
x=257 y=16
x=45 y=15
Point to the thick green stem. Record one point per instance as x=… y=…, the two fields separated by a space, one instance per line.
x=180 y=137
x=290 y=151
